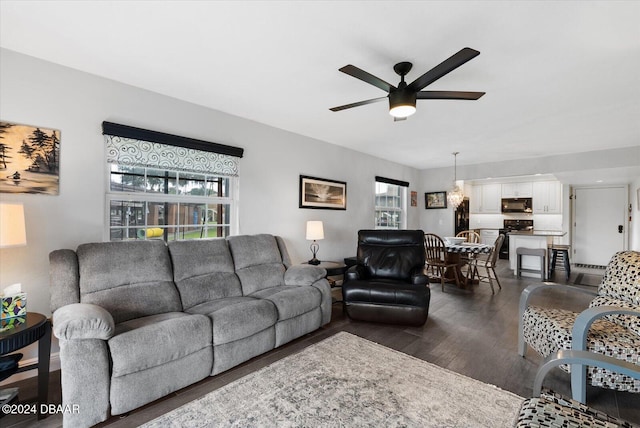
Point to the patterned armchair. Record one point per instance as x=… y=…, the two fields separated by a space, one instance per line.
x=550 y=409
x=610 y=326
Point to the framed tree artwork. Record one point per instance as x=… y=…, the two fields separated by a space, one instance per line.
x=29 y=159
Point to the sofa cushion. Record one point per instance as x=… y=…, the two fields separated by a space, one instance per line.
x=203 y=270
x=291 y=301
x=235 y=318
x=257 y=261
x=130 y=279
x=143 y=343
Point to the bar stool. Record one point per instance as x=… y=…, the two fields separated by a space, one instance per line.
x=537 y=252
x=559 y=251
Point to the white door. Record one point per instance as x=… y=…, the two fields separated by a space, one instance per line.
x=600 y=227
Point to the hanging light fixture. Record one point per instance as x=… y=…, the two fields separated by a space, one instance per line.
x=455 y=196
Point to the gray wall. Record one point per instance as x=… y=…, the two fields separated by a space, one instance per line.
x=569 y=169
x=40 y=93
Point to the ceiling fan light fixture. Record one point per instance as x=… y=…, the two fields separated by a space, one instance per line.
x=402 y=103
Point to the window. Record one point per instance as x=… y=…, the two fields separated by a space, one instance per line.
x=150 y=203
x=390 y=203
x=159 y=191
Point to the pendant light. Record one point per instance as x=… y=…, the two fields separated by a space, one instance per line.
x=455 y=196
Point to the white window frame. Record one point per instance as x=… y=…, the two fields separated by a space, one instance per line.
x=401 y=210
x=144 y=196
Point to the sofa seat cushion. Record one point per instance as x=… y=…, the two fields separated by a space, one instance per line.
x=386 y=292
x=236 y=318
x=547 y=330
x=291 y=301
x=143 y=343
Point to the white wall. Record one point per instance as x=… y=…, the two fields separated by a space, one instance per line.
x=440 y=221
x=40 y=93
x=634 y=215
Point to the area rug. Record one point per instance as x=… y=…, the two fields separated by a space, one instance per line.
x=347 y=381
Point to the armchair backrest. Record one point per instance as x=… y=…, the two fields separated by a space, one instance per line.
x=391 y=254
x=622 y=278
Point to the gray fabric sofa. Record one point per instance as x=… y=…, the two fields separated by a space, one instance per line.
x=137 y=320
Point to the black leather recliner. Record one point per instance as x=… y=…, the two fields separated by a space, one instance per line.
x=389 y=283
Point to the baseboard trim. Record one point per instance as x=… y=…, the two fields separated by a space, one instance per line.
x=54 y=364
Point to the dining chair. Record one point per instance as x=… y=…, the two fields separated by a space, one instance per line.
x=469 y=236
x=436 y=260
x=467 y=259
x=488 y=262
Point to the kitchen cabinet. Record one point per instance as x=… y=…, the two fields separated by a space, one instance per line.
x=547 y=197
x=517 y=190
x=488 y=236
x=485 y=199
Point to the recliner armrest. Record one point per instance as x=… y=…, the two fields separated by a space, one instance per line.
x=354 y=273
x=419 y=276
x=83 y=321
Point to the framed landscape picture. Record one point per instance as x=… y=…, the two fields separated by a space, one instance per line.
x=322 y=193
x=435 y=200
x=29 y=159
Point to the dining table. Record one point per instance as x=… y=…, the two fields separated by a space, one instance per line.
x=454 y=255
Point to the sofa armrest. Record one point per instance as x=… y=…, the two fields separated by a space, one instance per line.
x=83 y=321
x=303 y=274
x=527 y=294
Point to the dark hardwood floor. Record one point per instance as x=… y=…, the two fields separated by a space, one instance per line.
x=470 y=332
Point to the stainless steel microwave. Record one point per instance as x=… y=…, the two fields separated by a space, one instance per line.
x=517 y=205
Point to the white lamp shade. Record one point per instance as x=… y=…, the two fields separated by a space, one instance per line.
x=315 y=230
x=12 y=230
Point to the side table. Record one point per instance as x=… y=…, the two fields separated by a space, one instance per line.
x=333 y=269
x=36 y=328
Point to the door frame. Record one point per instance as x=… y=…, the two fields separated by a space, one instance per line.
x=625 y=187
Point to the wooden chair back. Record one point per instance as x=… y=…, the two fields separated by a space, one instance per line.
x=469 y=236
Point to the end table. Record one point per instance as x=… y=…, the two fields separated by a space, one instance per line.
x=36 y=328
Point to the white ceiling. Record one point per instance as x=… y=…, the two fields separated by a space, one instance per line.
x=560 y=77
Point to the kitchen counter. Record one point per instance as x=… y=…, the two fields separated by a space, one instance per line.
x=530 y=239
x=538 y=232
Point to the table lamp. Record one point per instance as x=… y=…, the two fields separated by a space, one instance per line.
x=12 y=230
x=315 y=232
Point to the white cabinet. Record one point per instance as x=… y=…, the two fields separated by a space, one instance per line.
x=488 y=236
x=517 y=190
x=547 y=197
x=485 y=199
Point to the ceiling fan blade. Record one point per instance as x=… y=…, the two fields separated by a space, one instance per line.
x=448 y=95
x=354 y=71
x=446 y=66
x=360 y=103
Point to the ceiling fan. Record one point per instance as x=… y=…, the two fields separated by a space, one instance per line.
x=402 y=99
